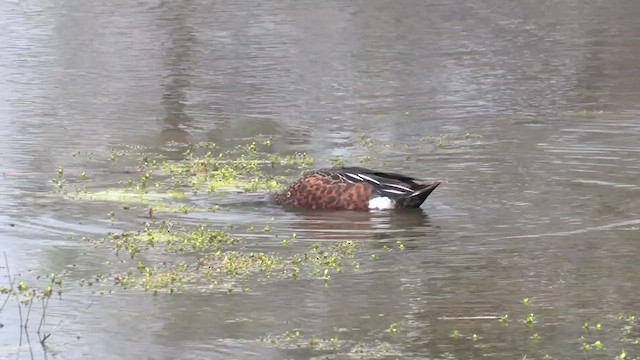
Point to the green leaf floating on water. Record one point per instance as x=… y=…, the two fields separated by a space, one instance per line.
x=126 y=196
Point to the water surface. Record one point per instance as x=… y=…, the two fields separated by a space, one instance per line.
x=542 y=202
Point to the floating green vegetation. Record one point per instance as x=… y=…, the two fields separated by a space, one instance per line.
x=248 y=167
x=128 y=196
x=371 y=144
x=586 y=112
x=243 y=168
x=216 y=258
x=338 y=161
x=296 y=339
x=449 y=140
x=534 y=334
x=165 y=238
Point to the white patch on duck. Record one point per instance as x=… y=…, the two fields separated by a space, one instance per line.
x=381 y=203
x=369 y=179
x=398 y=186
x=394 y=191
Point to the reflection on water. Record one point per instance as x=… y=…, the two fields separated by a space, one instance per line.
x=541 y=202
x=179 y=69
x=340 y=225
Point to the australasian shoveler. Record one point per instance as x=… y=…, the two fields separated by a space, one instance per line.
x=354 y=188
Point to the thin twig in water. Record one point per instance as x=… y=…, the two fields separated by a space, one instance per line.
x=30 y=300
x=20 y=313
x=26 y=323
x=45 y=303
x=29 y=342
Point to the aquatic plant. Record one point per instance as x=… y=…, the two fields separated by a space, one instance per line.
x=218 y=257
x=153 y=179
x=296 y=339
x=449 y=140
x=31 y=300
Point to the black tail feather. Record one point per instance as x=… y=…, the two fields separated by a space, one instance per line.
x=418 y=197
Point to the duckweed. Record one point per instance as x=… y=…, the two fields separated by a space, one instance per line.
x=358 y=350
x=337 y=161
x=530 y=320
x=244 y=168
x=218 y=257
x=449 y=140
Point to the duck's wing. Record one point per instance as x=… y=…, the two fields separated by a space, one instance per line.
x=384 y=176
x=403 y=190
x=382 y=181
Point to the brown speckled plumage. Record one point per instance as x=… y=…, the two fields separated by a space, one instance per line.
x=352 y=188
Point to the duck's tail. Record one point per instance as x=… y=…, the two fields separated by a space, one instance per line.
x=416 y=198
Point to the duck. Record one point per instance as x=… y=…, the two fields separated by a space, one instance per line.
x=354 y=188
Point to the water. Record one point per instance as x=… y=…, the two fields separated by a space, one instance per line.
x=542 y=203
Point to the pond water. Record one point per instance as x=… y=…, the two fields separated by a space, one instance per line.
x=527 y=111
